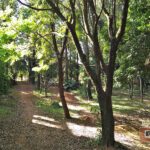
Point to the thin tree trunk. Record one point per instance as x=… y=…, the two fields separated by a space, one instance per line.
x=67 y=65
x=131 y=89
x=46 y=86
x=77 y=69
x=39 y=82
x=141 y=88
x=89 y=83
x=89 y=91
x=61 y=89
x=70 y=67
x=31 y=73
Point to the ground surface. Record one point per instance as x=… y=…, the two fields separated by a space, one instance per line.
x=30 y=128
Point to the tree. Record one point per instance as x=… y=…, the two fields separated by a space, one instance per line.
x=89 y=20
x=115 y=36
x=60 y=54
x=52 y=41
x=134 y=49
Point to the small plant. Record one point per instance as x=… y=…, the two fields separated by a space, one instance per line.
x=51 y=107
x=71 y=85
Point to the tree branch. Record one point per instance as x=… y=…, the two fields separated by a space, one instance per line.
x=54 y=40
x=72 y=5
x=64 y=43
x=85 y=14
x=121 y=30
x=38 y=9
x=56 y=10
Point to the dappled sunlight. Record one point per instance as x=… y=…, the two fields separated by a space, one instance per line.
x=75 y=115
x=77 y=108
x=46 y=121
x=25 y=93
x=81 y=130
x=123 y=107
x=122 y=138
x=45 y=118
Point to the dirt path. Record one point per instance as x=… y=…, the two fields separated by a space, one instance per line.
x=30 y=129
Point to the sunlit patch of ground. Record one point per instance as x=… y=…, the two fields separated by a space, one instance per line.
x=82 y=130
x=46 y=121
x=129 y=115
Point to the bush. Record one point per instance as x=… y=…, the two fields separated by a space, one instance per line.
x=4 y=80
x=71 y=85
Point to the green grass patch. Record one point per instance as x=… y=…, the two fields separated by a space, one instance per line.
x=51 y=107
x=7 y=106
x=41 y=93
x=4 y=111
x=123 y=105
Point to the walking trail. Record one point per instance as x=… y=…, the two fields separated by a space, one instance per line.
x=31 y=129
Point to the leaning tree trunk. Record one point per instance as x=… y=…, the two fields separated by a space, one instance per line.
x=61 y=88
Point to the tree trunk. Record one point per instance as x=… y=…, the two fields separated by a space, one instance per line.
x=131 y=89
x=67 y=65
x=70 y=68
x=46 y=86
x=31 y=73
x=107 y=120
x=141 y=88
x=77 y=68
x=89 y=92
x=39 y=81
x=61 y=89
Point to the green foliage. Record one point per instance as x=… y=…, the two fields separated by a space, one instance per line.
x=50 y=107
x=4 y=111
x=7 y=106
x=70 y=85
x=4 y=79
x=135 y=49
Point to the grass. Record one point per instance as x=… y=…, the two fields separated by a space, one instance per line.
x=52 y=108
x=4 y=111
x=128 y=113
x=7 y=106
x=49 y=106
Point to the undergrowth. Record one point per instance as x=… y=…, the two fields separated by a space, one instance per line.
x=7 y=106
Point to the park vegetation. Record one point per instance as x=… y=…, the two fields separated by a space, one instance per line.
x=84 y=46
